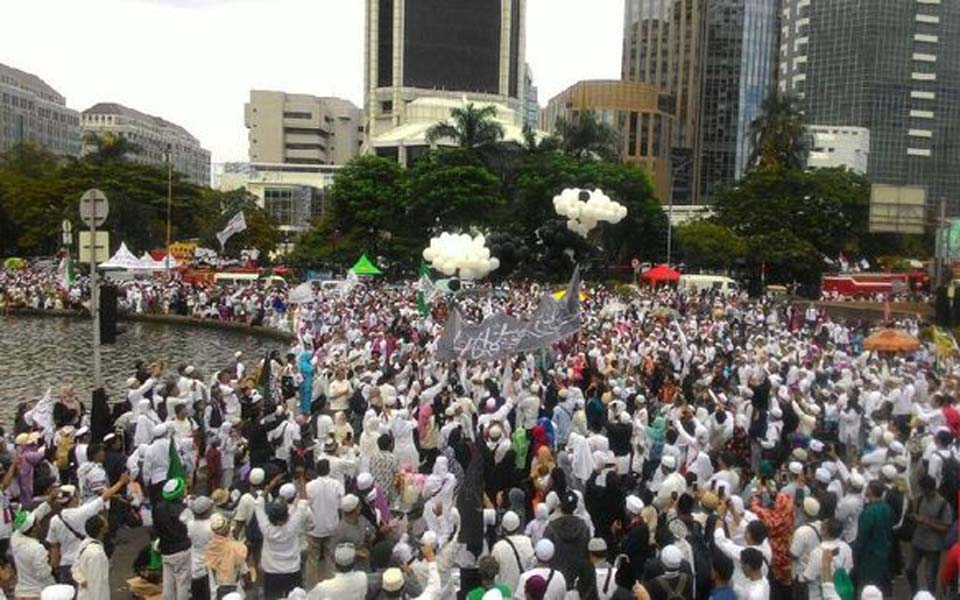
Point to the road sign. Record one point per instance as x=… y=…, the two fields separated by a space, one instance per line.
x=103 y=246
x=94 y=207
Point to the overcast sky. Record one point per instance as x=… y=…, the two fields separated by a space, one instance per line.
x=194 y=61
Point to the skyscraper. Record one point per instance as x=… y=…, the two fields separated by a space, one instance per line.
x=739 y=70
x=425 y=56
x=890 y=67
x=663 y=44
x=716 y=60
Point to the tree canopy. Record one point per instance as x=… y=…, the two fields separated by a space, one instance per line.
x=472 y=127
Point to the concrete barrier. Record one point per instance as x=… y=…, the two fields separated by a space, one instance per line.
x=175 y=320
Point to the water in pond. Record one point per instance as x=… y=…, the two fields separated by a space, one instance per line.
x=37 y=352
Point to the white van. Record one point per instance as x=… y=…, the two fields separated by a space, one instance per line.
x=696 y=284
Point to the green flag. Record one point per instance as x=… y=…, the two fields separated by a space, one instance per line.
x=175 y=470
x=424 y=288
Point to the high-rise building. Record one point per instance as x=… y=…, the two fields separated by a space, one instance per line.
x=738 y=75
x=531 y=101
x=716 y=60
x=663 y=45
x=32 y=111
x=635 y=110
x=424 y=57
x=892 y=68
x=302 y=129
x=150 y=138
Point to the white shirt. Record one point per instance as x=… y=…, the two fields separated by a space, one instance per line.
x=156 y=461
x=556 y=590
x=342 y=586
x=200 y=534
x=31 y=560
x=77 y=519
x=510 y=570
x=812 y=574
x=324 y=495
x=92 y=569
x=281 y=544
x=753 y=590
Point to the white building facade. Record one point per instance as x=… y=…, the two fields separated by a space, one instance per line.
x=837 y=146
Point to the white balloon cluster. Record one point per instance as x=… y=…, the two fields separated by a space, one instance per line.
x=584 y=209
x=462 y=255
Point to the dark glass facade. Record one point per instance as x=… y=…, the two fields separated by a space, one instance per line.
x=385 y=44
x=453 y=45
x=739 y=68
x=893 y=68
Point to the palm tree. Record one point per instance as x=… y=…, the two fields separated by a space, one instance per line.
x=109 y=146
x=779 y=137
x=587 y=136
x=473 y=127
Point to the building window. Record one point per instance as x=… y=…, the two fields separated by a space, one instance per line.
x=279 y=205
x=297 y=115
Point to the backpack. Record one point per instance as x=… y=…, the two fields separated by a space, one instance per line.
x=842 y=584
x=676 y=593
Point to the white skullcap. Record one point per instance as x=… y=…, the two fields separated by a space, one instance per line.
x=57 y=592
x=896 y=446
x=489 y=517
x=634 y=505
x=189 y=370
x=921 y=595
x=671 y=557
x=544 y=550
x=392 y=580
x=344 y=555
x=816 y=445
x=795 y=468
x=857 y=481
x=364 y=481
x=510 y=522
x=871 y=592
x=288 y=491
x=237 y=354
x=889 y=437
x=811 y=506
x=257 y=476
x=349 y=503
x=889 y=471
x=823 y=475
x=492 y=594
x=669 y=462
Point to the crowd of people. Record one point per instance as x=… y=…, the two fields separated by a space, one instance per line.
x=259 y=302
x=677 y=447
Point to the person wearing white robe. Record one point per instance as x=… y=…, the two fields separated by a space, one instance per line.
x=91 y=569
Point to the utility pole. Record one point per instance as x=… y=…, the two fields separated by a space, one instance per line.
x=169 y=157
x=94 y=209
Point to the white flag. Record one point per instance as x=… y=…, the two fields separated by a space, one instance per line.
x=236 y=224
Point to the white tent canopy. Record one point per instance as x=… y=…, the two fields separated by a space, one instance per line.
x=147 y=262
x=123 y=260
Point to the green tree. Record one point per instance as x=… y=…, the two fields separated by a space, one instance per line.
x=262 y=232
x=472 y=127
x=779 y=137
x=33 y=199
x=450 y=189
x=709 y=244
x=587 y=136
x=368 y=193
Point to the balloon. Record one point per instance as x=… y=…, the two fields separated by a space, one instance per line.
x=460 y=254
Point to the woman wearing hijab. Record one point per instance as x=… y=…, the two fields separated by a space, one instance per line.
x=543 y=465
x=67 y=410
x=306 y=380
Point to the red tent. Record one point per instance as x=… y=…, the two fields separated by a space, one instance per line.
x=660 y=273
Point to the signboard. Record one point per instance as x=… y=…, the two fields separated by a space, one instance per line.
x=898 y=209
x=183 y=251
x=103 y=246
x=94 y=208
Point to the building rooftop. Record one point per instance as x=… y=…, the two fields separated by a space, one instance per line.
x=29 y=82
x=112 y=108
